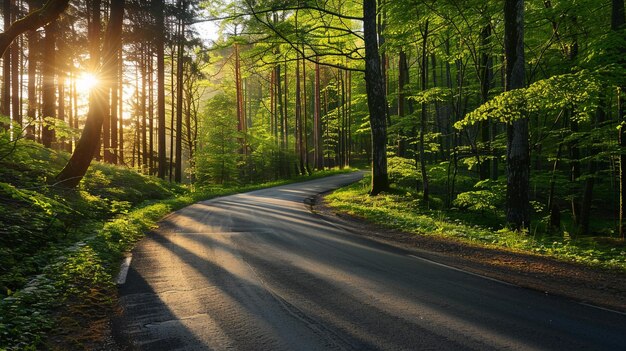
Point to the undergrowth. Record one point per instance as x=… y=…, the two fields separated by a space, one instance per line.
x=405 y=210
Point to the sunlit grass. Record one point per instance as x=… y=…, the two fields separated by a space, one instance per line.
x=406 y=212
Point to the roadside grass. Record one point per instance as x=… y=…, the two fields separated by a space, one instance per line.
x=404 y=210
x=60 y=249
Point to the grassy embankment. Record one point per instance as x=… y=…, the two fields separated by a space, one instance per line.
x=60 y=249
x=403 y=209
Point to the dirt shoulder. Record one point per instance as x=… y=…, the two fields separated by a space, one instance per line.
x=595 y=286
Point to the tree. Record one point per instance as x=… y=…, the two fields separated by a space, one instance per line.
x=518 y=152
x=159 y=8
x=376 y=100
x=89 y=141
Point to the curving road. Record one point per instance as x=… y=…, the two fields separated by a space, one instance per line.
x=259 y=271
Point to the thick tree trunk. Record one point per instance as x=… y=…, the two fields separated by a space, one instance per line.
x=376 y=100
x=518 y=153
x=89 y=141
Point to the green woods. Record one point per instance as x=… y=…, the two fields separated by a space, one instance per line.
x=498 y=122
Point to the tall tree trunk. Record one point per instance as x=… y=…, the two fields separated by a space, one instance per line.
x=178 y=172
x=403 y=80
x=120 y=89
x=115 y=105
x=16 y=107
x=485 y=86
x=61 y=104
x=376 y=100
x=159 y=6
x=617 y=24
x=518 y=153
x=317 y=121
x=48 y=95
x=142 y=108
x=424 y=117
x=33 y=57
x=89 y=141
x=305 y=119
x=5 y=104
x=150 y=112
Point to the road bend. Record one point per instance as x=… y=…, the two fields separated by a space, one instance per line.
x=259 y=271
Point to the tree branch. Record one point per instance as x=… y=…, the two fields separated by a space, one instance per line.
x=36 y=19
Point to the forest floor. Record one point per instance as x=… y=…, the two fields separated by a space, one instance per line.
x=601 y=287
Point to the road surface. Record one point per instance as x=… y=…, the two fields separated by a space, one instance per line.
x=259 y=271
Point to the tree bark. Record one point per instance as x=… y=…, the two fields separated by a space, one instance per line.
x=33 y=57
x=178 y=169
x=16 y=107
x=48 y=96
x=423 y=124
x=376 y=100
x=518 y=153
x=317 y=121
x=159 y=6
x=5 y=103
x=617 y=24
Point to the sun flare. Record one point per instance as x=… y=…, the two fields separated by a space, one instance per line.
x=86 y=82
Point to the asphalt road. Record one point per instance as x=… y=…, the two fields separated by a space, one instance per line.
x=259 y=271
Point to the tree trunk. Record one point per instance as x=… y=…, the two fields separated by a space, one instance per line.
x=317 y=121
x=33 y=57
x=485 y=86
x=617 y=24
x=115 y=105
x=178 y=171
x=403 y=80
x=424 y=119
x=120 y=82
x=151 y=113
x=5 y=104
x=48 y=95
x=89 y=141
x=142 y=107
x=159 y=6
x=518 y=153
x=376 y=100
x=16 y=107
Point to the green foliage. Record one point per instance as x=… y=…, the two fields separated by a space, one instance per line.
x=489 y=196
x=402 y=210
x=402 y=171
x=577 y=92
